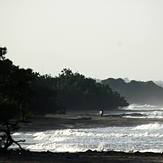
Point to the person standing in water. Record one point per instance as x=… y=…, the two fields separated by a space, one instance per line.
x=101 y=112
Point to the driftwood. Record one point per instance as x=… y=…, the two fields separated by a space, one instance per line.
x=6 y=139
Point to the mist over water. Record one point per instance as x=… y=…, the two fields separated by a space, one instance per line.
x=141 y=137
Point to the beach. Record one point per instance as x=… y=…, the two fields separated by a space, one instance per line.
x=88 y=138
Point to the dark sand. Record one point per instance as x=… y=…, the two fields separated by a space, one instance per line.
x=80 y=121
x=72 y=121
x=86 y=157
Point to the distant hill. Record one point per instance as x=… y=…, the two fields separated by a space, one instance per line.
x=137 y=91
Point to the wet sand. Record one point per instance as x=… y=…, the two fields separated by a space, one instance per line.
x=77 y=121
x=86 y=157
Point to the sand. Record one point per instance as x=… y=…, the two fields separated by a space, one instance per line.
x=77 y=121
x=86 y=157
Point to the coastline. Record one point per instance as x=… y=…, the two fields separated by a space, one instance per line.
x=74 y=121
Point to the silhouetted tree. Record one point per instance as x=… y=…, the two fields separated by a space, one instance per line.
x=14 y=96
x=77 y=91
x=3 y=51
x=71 y=91
x=22 y=89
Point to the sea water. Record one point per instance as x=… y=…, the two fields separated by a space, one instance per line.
x=144 y=138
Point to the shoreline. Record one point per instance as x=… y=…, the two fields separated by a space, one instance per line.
x=81 y=122
x=74 y=121
x=20 y=156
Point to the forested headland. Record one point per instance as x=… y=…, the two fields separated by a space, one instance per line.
x=32 y=93
x=25 y=93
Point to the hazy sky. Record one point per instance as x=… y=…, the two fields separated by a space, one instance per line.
x=99 y=38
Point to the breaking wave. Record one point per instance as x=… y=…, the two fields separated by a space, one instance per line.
x=151 y=126
x=141 y=107
x=143 y=137
x=143 y=111
x=147 y=137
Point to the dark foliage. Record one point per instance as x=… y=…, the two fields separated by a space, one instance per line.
x=23 y=92
x=71 y=91
x=76 y=92
x=14 y=98
x=44 y=96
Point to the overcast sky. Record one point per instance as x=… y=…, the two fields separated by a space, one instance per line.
x=98 y=38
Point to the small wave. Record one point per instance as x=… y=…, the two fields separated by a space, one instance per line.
x=16 y=134
x=140 y=107
x=151 y=150
x=151 y=114
x=56 y=147
x=129 y=116
x=155 y=114
x=134 y=115
x=151 y=126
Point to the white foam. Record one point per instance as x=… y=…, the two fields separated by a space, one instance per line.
x=130 y=116
x=143 y=111
x=147 y=115
x=152 y=150
x=16 y=134
x=151 y=126
x=155 y=114
x=146 y=137
x=140 y=107
x=39 y=136
x=100 y=139
x=101 y=147
x=63 y=132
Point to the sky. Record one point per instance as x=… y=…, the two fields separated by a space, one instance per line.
x=98 y=38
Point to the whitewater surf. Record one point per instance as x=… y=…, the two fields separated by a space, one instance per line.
x=141 y=137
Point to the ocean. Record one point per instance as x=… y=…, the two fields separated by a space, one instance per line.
x=140 y=137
